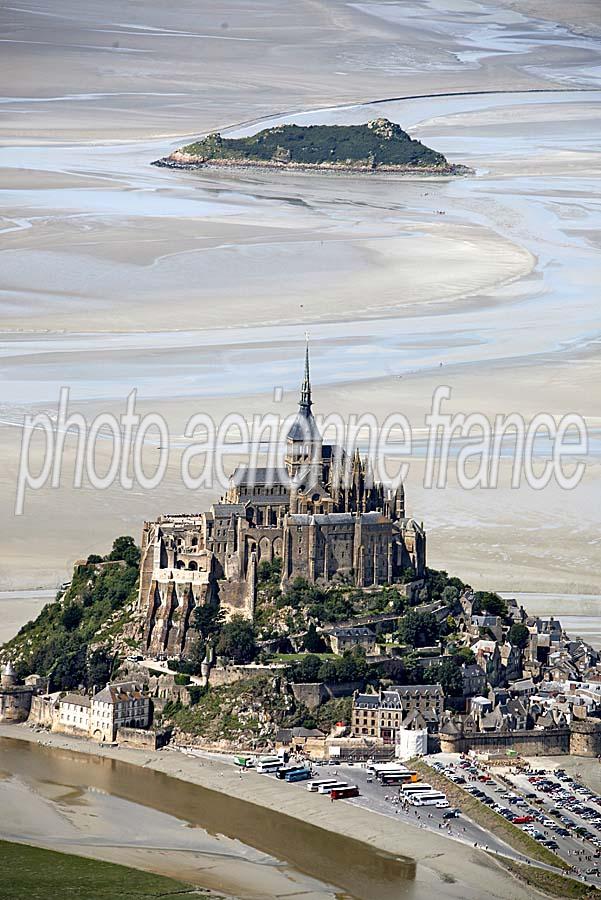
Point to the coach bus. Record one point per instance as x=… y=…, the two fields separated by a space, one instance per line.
x=297 y=775
x=281 y=773
x=430 y=798
x=339 y=793
x=408 y=790
x=269 y=765
x=398 y=777
x=328 y=788
x=315 y=785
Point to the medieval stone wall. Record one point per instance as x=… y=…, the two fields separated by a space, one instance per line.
x=143 y=739
x=313 y=694
x=547 y=742
x=43 y=711
x=585 y=738
x=15 y=703
x=231 y=674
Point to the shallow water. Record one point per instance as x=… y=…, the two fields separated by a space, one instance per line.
x=66 y=800
x=550 y=215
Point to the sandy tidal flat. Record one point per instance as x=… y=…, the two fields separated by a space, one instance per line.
x=80 y=798
x=196 y=288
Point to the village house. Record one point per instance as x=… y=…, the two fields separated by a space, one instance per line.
x=474 y=680
x=74 y=714
x=342 y=639
x=120 y=705
x=381 y=715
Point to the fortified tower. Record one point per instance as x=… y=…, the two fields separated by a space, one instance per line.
x=15 y=699
x=585 y=737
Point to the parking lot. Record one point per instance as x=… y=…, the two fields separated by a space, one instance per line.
x=550 y=806
x=553 y=808
x=385 y=801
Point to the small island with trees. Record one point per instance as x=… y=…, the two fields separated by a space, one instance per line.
x=377 y=146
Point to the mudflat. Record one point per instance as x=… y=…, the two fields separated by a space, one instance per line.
x=196 y=288
x=245 y=835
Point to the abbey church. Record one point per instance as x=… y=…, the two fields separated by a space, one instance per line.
x=321 y=513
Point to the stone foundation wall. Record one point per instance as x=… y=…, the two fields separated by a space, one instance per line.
x=42 y=712
x=551 y=741
x=313 y=694
x=143 y=739
x=230 y=674
x=62 y=728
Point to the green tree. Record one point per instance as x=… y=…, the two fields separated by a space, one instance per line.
x=208 y=619
x=519 y=635
x=196 y=655
x=419 y=629
x=72 y=616
x=313 y=642
x=328 y=671
x=450 y=594
x=99 y=667
x=269 y=571
x=307 y=670
x=464 y=655
x=124 y=548
x=490 y=603
x=237 y=640
x=448 y=674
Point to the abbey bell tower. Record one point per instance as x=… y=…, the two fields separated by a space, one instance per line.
x=303 y=444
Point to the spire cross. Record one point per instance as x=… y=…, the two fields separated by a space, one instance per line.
x=305 y=397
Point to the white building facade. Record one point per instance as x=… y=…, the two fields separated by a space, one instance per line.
x=117 y=705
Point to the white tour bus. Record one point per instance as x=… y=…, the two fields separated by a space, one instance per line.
x=430 y=798
x=385 y=767
x=326 y=788
x=419 y=788
x=319 y=782
x=269 y=764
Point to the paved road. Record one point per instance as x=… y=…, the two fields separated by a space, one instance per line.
x=381 y=799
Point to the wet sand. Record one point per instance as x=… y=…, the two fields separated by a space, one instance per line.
x=252 y=809
x=197 y=288
x=19 y=607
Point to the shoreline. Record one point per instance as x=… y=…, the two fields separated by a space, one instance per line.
x=194 y=163
x=424 y=858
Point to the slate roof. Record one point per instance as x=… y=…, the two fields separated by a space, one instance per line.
x=356 y=632
x=77 y=700
x=367 y=701
x=119 y=693
x=269 y=475
x=418 y=689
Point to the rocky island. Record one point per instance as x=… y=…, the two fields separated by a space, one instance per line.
x=378 y=146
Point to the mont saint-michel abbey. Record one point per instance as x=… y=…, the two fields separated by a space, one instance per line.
x=325 y=528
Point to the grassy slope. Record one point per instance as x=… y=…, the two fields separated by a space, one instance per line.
x=551 y=883
x=319 y=144
x=488 y=818
x=101 y=596
x=30 y=873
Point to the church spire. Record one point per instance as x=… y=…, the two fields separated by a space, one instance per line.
x=305 y=395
